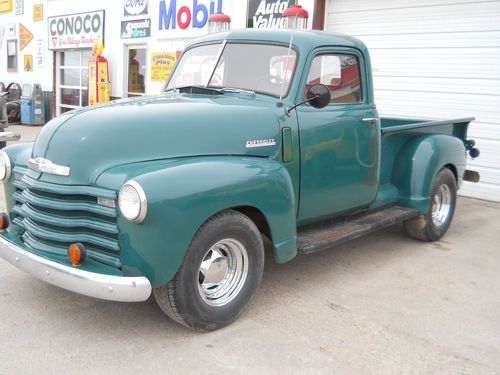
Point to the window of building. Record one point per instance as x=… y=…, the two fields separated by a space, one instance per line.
x=12 y=55
x=136 y=70
x=72 y=79
x=340 y=73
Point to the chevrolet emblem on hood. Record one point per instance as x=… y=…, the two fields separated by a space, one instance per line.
x=46 y=166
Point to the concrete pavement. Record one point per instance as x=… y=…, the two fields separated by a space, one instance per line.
x=383 y=304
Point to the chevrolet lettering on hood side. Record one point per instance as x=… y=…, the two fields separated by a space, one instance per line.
x=256 y=134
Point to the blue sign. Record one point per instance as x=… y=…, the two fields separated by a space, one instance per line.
x=195 y=15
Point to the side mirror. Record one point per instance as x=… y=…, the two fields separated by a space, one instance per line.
x=318 y=96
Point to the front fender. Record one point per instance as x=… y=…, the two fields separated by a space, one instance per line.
x=418 y=162
x=182 y=194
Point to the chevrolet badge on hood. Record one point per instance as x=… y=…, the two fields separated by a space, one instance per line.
x=261 y=143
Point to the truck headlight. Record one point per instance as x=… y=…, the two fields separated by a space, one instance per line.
x=132 y=201
x=5 y=166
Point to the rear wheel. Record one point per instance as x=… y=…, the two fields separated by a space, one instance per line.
x=221 y=270
x=434 y=224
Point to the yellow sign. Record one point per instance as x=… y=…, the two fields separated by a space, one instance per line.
x=38 y=12
x=25 y=36
x=5 y=5
x=28 y=63
x=162 y=64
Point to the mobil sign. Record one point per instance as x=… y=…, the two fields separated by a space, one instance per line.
x=183 y=15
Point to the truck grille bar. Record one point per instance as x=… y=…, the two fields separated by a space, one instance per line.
x=54 y=216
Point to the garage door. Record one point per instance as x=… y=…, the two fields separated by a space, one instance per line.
x=438 y=59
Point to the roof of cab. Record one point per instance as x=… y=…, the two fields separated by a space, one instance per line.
x=309 y=39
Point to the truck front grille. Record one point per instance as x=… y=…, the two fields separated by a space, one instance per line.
x=53 y=216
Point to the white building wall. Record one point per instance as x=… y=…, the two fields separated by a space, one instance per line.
x=437 y=59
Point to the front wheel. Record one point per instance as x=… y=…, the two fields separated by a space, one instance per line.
x=221 y=270
x=434 y=224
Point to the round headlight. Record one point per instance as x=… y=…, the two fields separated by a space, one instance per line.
x=5 y=167
x=132 y=201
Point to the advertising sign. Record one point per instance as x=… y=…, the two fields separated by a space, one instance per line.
x=25 y=36
x=5 y=5
x=38 y=12
x=162 y=64
x=136 y=29
x=188 y=18
x=19 y=7
x=266 y=14
x=39 y=53
x=28 y=63
x=11 y=29
x=75 y=30
x=135 y=7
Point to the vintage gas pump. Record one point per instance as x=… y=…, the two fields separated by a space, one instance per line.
x=99 y=86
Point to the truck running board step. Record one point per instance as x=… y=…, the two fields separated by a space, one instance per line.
x=320 y=236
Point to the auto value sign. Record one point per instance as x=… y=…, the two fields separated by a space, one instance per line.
x=75 y=30
x=186 y=17
x=266 y=14
x=136 y=29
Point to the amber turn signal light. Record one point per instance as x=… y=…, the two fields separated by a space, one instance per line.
x=77 y=253
x=4 y=221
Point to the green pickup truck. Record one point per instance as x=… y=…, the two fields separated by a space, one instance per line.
x=256 y=133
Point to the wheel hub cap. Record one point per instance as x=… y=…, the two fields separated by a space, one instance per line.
x=214 y=268
x=441 y=205
x=222 y=272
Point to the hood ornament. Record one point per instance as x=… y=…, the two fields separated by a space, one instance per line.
x=46 y=166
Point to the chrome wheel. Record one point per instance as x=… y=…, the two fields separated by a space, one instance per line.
x=441 y=205
x=223 y=272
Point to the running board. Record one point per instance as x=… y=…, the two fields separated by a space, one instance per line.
x=316 y=237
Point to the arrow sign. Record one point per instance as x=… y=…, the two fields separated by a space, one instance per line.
x=25 y=36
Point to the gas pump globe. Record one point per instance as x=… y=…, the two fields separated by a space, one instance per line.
x=218 y=22
x=295 y=17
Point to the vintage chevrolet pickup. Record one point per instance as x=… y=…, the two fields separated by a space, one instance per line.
x=256 y=133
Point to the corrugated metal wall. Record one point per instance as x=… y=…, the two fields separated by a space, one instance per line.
x=438 y=59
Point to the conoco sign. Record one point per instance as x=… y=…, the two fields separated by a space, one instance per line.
x=75 y=30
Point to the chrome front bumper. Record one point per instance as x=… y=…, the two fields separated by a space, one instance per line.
x=112 y=288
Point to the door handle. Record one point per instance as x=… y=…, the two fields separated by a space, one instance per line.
x=371 y=120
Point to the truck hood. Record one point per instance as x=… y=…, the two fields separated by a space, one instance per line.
x=94 y=139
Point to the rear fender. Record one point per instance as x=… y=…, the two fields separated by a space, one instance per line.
x=418 y=162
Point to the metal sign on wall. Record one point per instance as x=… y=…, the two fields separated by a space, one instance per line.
x=188 y=18
x=37 y=12
x=25 y=36
x=19 y=7
x=5 y=5
x=266 y=14
x=75 y=30
x=135 y=7
x=136 y=29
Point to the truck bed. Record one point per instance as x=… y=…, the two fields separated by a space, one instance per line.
x=455 y=127
x=397 y=133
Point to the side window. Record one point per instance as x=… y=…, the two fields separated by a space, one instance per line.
x=340 y=73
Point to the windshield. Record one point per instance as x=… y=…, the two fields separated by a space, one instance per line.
x=255 y=67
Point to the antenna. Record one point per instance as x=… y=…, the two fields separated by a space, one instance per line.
x=286 y=65
x=295 y=18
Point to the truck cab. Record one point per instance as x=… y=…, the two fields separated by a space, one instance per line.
x=256 y=134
